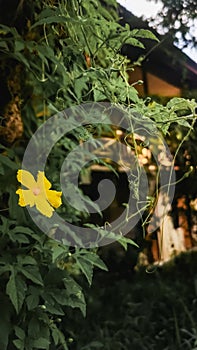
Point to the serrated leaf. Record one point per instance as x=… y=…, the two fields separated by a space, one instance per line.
x=80 y=84
x=32 y=273
x=124 y=241
x=58 y=337
x=133 y=94
x=58 y=251
x=72 y=296
x=71 y=285
x=143 y=33
x=75 y=302
x=60 y=296
x=16 y=289
x=94 y=259
x=177 y=103
x=99 y=95
x=56 y=310
x=86 y=268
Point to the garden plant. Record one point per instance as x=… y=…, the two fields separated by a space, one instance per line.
x=55 y=55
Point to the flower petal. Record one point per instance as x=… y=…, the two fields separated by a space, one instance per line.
x=26 y=178
x=26 y=197
x=42 y=182
x=43 y=206
x=54 y=198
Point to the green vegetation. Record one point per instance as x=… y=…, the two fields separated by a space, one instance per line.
x=147 y=311
x=53 y=55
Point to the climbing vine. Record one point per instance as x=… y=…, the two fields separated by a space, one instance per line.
x=53 y=55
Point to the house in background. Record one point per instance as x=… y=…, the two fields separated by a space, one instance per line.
x=165 y=70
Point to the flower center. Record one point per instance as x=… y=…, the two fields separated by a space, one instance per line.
x=36 y=191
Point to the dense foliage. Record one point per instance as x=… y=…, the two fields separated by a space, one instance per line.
x=146 y=311
x=55 y=54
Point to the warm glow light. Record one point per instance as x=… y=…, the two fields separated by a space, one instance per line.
x=152 y=167
x=119 y=132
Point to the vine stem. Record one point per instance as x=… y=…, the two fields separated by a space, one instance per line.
x=171 y=173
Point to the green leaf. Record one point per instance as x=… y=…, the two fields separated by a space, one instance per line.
x=8 y=162
x=32 y=301
x=124 y=241
x=53 y=19
x=134 y=42
x=76 y=297
x=55 y=335
x=5 y=223
x=60 y=296
x=32 y=273
x=4 y=46
x=19 y=344
x=80 y=85
x=143 y=33
x=13 y=203
x=34 y=328
x=55 y=310
x=21 y=58
x=19 y=45
x=133 y=94
x=99 y=95
x=71 y=285
x=41 y=343
x=16 y=289
x=93 y=258
x=26 y=260
x=20 y=238
x=19 y=332
x=22 y=229
x=75 y=302
x=59 y=251
x=85 y=267
x=58 y=336
x=5 y=268
x=5 y=30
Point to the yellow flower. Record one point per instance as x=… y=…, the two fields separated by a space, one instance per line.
x=38 y=193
